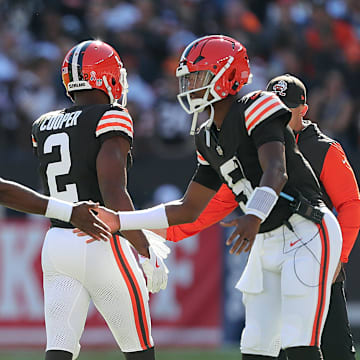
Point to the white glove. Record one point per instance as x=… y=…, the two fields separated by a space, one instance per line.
x=157 y=242
x=155 y=270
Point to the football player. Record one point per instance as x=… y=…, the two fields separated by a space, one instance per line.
x=84 y=153
x=340 y=191
x=247 y=145
x=21 y=198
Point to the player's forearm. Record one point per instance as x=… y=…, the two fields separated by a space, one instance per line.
x=216 y=210
x=21 y=198
x=274 y=177
x=157 y=217
x=176 y=212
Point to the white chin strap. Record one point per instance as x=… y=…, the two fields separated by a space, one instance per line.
x=208 y=125
x=193 y=124
x=197 y=106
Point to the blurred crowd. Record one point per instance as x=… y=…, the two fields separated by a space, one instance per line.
x=316 y=40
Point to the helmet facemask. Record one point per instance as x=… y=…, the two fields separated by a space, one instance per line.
x=191 y=83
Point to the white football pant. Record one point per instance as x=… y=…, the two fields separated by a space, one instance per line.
x=104 y=272
x=286 y=285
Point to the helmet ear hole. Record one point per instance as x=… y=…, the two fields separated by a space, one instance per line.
x=232 y=75
x=113 y=81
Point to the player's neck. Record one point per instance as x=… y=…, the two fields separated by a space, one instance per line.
x=221 y=108
x=90 y=97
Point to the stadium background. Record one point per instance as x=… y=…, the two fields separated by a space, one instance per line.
x=318 y=41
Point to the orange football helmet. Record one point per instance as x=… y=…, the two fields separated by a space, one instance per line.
x=94 y=64
x=217 y=65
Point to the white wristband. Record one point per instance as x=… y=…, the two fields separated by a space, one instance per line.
x=58 y=209
x=153 y=218
x=261 y=202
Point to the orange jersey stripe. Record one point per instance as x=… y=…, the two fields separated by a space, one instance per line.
x=117 y=117
x=261 y=103
x=34 y=142
x=261 y=114
x=114 y=124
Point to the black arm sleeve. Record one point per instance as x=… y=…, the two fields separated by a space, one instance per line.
x=207 y=176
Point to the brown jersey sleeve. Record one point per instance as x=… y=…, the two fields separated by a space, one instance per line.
x=221 y=205
x=340 y=184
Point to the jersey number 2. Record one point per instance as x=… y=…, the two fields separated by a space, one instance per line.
x=61 y=167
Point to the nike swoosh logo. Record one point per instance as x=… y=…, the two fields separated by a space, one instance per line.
x=294 y=243
x=156 y=264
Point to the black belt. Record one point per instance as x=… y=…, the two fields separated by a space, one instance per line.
x=303 y=207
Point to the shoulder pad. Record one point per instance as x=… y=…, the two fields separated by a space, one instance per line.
x=259 y=106
x=116 y=118
x=254 y=95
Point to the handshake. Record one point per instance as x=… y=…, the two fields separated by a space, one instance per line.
x=154 y=267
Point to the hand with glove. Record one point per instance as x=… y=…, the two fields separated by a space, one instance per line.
x=158 y=243
x=155 y=270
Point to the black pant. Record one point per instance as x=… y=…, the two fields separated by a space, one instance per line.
x=336 y=341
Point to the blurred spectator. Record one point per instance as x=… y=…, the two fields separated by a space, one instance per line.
x=331 y=105
x=318 y=41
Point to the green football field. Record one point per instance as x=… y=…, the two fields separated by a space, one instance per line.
x=228 y=354
x=179 y=354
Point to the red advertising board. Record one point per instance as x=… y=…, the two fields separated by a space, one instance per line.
x=188 y=312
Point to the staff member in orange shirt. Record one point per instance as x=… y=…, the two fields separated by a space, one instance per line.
x=340 y=191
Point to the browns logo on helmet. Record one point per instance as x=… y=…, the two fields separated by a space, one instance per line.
x=93 y=64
